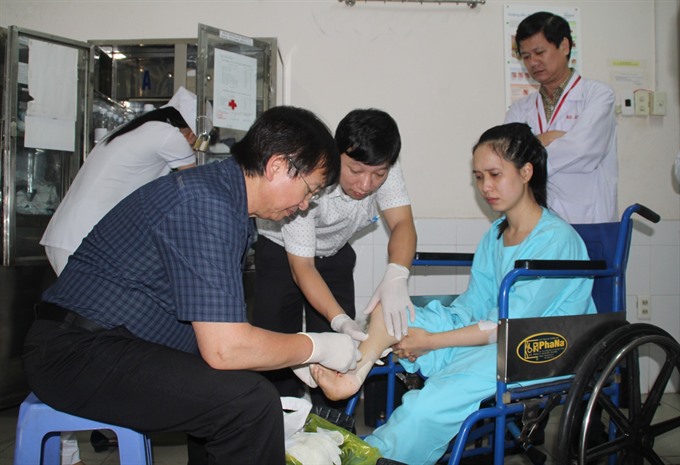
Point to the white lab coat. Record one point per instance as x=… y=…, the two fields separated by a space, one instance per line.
x=110 y=173
x=582 y=165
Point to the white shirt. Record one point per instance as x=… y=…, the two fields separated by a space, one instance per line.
x=324 y=229
x=110 y=173
x=582 y=165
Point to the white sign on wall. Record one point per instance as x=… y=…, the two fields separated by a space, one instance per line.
x=235 y=89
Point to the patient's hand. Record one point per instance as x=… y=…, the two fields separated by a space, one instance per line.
x=413 y=345
x=335 y=385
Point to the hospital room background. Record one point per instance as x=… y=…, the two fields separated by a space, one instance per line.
x=440 y=70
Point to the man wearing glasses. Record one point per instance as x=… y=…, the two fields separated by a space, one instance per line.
x=304 y=265
x=146 y=327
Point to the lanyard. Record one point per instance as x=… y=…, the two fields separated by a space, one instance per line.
x=557 y=110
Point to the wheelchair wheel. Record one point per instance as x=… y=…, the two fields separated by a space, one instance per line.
x=594 y=428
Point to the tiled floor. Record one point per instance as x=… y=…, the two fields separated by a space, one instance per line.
x=170 y=449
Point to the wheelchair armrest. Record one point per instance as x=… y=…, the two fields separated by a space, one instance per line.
x=561 y=264
x=443 y=259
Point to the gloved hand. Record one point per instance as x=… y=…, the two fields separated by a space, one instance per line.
x=333 y=350
x=305 y=374
x=344 y=324
x=393 y=294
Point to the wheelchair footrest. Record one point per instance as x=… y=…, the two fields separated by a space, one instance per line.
x=336 y=417
x=384 y=461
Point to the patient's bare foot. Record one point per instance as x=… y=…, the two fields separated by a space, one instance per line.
x=335 y=385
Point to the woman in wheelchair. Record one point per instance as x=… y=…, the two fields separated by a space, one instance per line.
x=454 y=346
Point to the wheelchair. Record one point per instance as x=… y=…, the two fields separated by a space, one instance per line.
x=588 y=364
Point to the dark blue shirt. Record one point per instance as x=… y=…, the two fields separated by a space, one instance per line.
x=168 y=254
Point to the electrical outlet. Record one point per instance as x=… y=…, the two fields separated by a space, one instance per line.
x=644 y=307
x=641 y=103
x=627 y=104
x=658 y=103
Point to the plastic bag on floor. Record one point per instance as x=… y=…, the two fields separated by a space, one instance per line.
x=295 y=411
x=316 y=448
x=319 y=447
x=353 y=450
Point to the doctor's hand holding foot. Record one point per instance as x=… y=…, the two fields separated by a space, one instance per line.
x=392 y=292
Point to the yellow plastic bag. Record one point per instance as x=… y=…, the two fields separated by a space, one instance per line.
x=355 y=451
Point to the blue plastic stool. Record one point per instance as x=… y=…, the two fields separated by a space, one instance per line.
x=38 y=421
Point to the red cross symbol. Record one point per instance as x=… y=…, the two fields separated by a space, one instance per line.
x=232 y=104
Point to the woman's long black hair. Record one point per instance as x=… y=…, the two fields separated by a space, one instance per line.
x=517 y=144
x=169 y=115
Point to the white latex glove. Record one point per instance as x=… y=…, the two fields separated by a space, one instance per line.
x=333 y=350
x=305 y=374
x=344 y=324
x=393 y=293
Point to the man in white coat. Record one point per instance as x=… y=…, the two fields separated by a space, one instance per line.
x=573 y=117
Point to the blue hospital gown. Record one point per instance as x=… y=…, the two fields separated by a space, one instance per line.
x=459 y=378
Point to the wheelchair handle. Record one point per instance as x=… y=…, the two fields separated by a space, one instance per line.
x=646 y=213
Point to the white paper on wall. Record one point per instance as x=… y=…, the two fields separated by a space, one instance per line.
x=52 y=84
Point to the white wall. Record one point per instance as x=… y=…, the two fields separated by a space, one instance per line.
x=438 y=69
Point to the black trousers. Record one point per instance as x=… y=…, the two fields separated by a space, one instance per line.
x=114 y=377
x=280 y=305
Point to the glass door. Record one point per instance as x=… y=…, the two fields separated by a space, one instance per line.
x=235 y=82
x=132 y=77
x=44 y=123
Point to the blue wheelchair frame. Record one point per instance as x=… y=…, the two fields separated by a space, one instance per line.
x=607 y=265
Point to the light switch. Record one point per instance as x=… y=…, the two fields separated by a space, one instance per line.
x=658 y=103
x=641 y=103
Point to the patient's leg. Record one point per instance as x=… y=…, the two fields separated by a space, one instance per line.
x=337 y=385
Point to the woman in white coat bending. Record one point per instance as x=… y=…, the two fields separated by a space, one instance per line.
x=132 y=155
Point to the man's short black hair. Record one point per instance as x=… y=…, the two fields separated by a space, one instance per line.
x=554 y=28
x=291 y=131
x=369 y=136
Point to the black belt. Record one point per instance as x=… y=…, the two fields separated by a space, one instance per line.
x=52 y=312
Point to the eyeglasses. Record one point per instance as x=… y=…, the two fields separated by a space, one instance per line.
x=313 y=196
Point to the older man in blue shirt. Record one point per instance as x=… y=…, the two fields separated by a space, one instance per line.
x=146 y=326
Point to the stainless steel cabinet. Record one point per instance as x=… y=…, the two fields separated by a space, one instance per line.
x=142 y=73
x=53 y=91
x=236 y=80
x=45 y=89
x=45 y=119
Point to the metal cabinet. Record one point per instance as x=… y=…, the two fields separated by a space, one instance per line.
x=236 y=80
x=138 y=74
x=53 y=91
x=45 y=89
x=45 y=120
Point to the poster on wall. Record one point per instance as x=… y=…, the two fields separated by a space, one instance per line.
x=235 y=88
x=517 y=81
